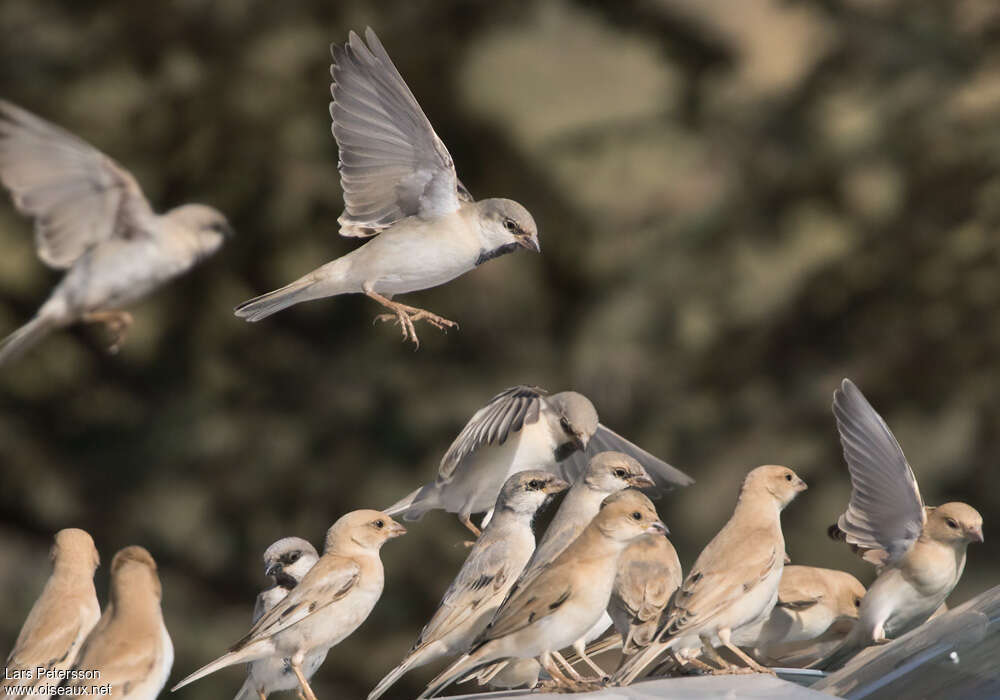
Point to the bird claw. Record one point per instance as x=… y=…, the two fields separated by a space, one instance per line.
x=406 y=316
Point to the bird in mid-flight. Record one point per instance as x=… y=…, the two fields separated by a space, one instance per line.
x=92 y=220
x=399 y=182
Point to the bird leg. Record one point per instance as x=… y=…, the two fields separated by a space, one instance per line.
x=466 y=519
x=582 y=652
x=570 y=671
x=303 y=683
x=724 y=637
x=553 y=670
x=405 y=316
x=117 y=323
x=261 y=694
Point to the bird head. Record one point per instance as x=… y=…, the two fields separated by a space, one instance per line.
x=209 y=227
x=74 y=547
x=133 y=569
x=365 y=529
x=613 y=471
x=954 y=523
x=850 y=593
x=505 y=226
x=527 y=491
x=627 y=515
x=577 y=420
x=292 y=556
x=781 y=482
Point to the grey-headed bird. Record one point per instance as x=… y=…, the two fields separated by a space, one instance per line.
x=733 y=583
x=92 y=220
x=60 y=619
x=129 y=646
x=523 y=427
x=565 y=599
x=399 y=182
x=332 y=600
x=489 y=571
x=918 y=551
x=286 y=562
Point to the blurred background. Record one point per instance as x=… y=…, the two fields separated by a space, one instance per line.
x=739 y=204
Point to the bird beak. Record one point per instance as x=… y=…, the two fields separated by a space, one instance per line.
x=529 y=242
x=657 y=528
x=273 y=570
x=395 y=530
x=976 y=534
x=801 y=486
x=581 y=441
x=641 y=481
x=557 y=485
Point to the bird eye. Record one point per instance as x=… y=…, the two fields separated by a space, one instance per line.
x=534 y=484
x=857 y=602
x=636 y=515
x=620 y=473
x=510 y=225
x=788 y=477
x=379 y=524
x=293 y=557
x=952 y=524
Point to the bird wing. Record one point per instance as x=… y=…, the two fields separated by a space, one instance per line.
x=885 y=514
x=720 y=577
x=800 y=588
x=77 y=196
x=485 y=576
x=392 y=164
x=49 y=635
x=527 y=605
x=607 y=440
x=506 y=413
x=326 y=583
x=117 y=651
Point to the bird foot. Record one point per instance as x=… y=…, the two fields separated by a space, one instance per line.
x=406 y=316
x=117 y=323
x=571 y=686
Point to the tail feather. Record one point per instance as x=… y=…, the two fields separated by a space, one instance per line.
x=840 y=656
x=462 y=667
x=412 y=506
x=418 y=657
x=263 y=306
x=21 y=340
x=247 y=653
x=246 y=691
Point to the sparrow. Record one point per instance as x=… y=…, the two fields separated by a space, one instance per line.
x=489 y=571
x=733 y=583
x=399 y=182
x=60 y=619
x=606 y=474
x=92 y=220
x=565 y=599
x=286 y=562
x=129 y=646
x=522 y=427
x=918 y=551
x=816 y=608
x=332 y=600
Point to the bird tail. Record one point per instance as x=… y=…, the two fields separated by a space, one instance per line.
x=411 y=507
x=462 y=667
x=418 y=657
x=263 y=306
x=247 y=653
x=841 y=655
x=633 y=666
x=21 y=340
x=247 y=691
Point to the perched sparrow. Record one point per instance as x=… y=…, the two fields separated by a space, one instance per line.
x=490 y=570
x=60 y=619
x=92 y=220
x=918 y=551
x=566 y=598
x=129 y=645
x=522 y=427
x=816 y=609
x=331 y=601
x=733 y=583
x=399 y=182
x=286 y=561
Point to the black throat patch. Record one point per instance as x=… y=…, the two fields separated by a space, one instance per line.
x=565 y=450
x=485 y=255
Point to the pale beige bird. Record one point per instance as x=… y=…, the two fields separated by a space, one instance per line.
x=918 y=551
x=129 y=646
x=286 y=561
x=399 y=182
x=492 y=567
x=733 y=583
x=648 y=574
x=330 y=602
x=92 y=220
x=566 y=598
x=60 y=619
x=816 y=608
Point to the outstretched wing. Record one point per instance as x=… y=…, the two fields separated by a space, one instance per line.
x=77 y=196
x=885 y=515
x=607 y=440
x=506 y=413
x=392 y=164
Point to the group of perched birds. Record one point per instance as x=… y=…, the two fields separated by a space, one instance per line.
x=604 y=573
